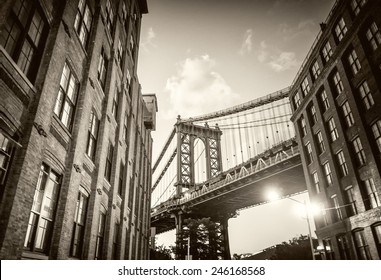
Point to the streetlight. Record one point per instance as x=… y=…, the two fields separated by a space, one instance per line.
x=272 y=196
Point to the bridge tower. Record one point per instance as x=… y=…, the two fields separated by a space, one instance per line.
x=187 y=133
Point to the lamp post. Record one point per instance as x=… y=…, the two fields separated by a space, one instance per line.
x=309 y=226
x=275 y=196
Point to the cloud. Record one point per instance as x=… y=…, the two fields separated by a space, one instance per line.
x=262 y=53
x=303 y=28
x=148 y=41
x=247 y=43
x=197 y=89
x=283 y=61
x=277 y=60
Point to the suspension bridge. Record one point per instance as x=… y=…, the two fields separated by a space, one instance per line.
x=216 y=164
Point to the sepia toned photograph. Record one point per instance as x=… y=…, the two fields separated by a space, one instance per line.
x=190 y=130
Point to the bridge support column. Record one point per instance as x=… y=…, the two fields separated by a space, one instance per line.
x=225 y=238
x=179 y=219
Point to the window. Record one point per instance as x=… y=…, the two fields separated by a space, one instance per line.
x=340 y=29
x=313 y=115
x=115 y=240
x=320 y=142
x=354 y=62
x=356 y=6
x=297 y=101
x=361 y=245
x=67 y=97
x=332 y=129
x=303 y=126
x=102 y=69
x=119 y=55
x=327 y=173
x=370 y=195
x=376 y=128
x=125 y=127
x=337 y=216
x=315 y=179
x=338 y=84
x=41 y=219
x=343 y=245
x=121 y=179
x=315 y=70
x=305 y=86
x=324 y=100
x=327 y=52
x=92 y=135
x=6 y=150
x=359 y=151
x=347 y=113
x=110 y=153
x=109 y=17
x=342 y=164
x=115 y=102
x=79 y=223
x=82 y=24
x=24 y=35
x=374 y=36
x=376 y=229
x=366 y=95
x=100 y=235
x=350 y=201
x=310 y=157
x=329 y=254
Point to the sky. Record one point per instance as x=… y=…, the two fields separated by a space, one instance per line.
x=199 y=56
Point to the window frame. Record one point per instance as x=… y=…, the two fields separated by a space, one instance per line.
x=324 y=100
x=320 y=140
x=356 y=6
x=373 y=35
x=79 y=224
x=337 y=83
x=82 y=26
x=315 y=70
x=315 y=180
x=102 y=69
x=63 y=99
x=328 y=173
x=92 y=135
x=362 y=247
x=376 y=130
x=305 y=86
x=347 y=114
x=370 y=195
x=366 y=95
x=354 y=62
x=109 y=159
x=327 y=52
x=30 y=57
x=38 y=221
x=358 y=151
x=334 y=135
x=343 y=167
x=350 y=201
x=340 y=29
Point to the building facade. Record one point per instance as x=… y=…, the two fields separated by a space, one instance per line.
x=336 y=102
x=75 y=131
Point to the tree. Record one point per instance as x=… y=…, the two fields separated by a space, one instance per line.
x=298 y=248
x=161 y=253
x=205 y=239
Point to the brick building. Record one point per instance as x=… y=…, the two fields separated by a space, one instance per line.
x=336 y=102
x=75 y=131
